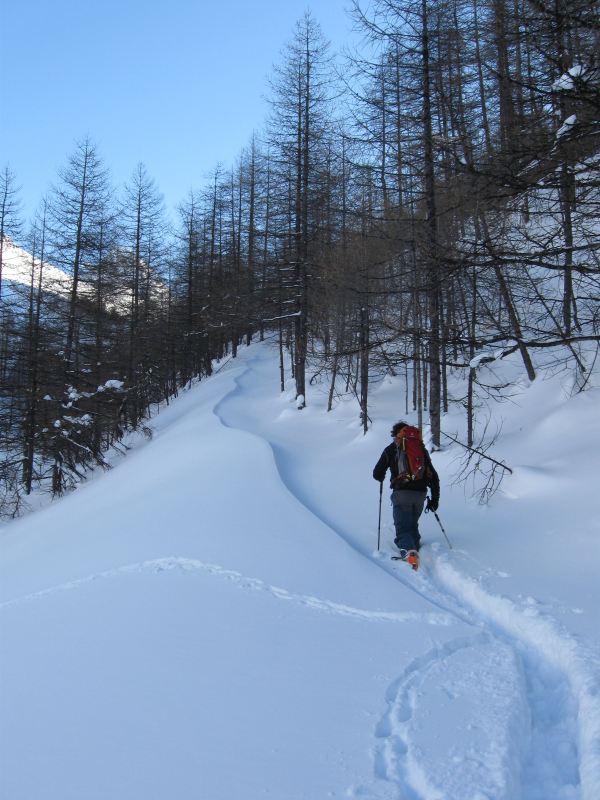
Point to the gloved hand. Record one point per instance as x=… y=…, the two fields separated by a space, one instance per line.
x=432 y=505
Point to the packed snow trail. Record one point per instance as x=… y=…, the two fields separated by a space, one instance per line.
x=560 y=744
x=209 y=619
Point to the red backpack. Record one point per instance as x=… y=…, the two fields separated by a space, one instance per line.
x=412 y=464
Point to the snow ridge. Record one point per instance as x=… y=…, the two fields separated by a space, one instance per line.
x=158 y=565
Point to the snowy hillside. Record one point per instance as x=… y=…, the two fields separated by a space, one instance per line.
x=212 y=619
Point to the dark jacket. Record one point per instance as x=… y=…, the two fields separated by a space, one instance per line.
x=389 y=460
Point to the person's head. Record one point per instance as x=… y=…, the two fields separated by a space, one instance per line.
x=397 y=428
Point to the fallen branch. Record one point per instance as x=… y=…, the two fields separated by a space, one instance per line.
x=479 y=453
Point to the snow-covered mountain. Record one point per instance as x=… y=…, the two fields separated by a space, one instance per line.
x=212 y=618
x=17 y=266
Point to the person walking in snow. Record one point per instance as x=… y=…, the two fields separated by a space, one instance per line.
x=412 y=473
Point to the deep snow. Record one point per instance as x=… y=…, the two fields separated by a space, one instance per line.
x=211 y=618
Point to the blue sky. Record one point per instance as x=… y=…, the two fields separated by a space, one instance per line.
x=178 y=85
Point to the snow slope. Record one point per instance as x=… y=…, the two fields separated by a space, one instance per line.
x=211 y=618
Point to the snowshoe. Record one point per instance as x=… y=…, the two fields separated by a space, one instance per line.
x=410 y=556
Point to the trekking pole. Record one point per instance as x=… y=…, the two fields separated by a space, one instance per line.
x=379 y=523
x=427 y=509
x=443 y=531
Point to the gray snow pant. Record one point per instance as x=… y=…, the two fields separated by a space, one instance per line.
x=407 y=507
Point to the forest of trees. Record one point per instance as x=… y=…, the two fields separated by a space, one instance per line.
x=418 y=207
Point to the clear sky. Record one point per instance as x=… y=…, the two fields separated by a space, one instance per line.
x=179 y=85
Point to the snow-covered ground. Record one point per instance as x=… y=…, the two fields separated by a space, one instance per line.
x=211 y=619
